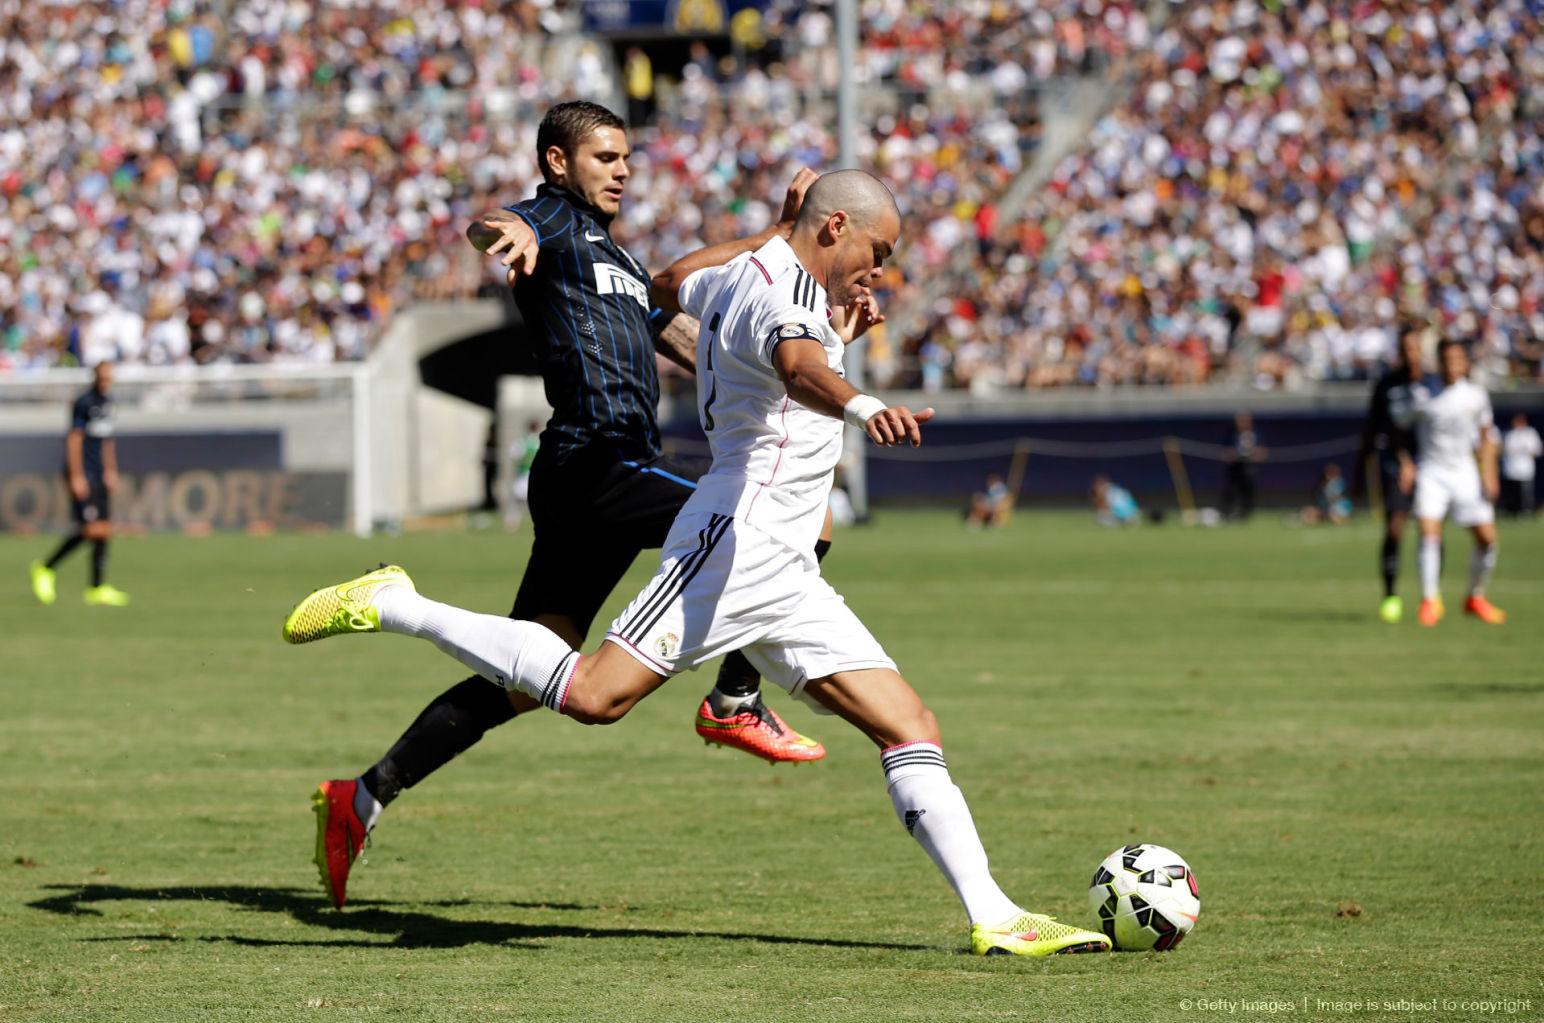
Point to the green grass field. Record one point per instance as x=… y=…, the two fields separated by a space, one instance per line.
x=1363 y=804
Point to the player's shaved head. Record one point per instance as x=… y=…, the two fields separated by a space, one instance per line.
x=860 y=195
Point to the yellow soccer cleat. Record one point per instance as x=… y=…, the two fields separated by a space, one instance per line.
x=42 y=582
x=1034 y=934
x=105 y=596
x=346 y=607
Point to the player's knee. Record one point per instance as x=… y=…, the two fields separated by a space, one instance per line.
x=915 y=724
x=592 y=705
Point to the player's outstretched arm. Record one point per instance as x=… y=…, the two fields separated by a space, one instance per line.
x=667 y=283
x=677 y=341
x=505 y=231
x=801 y=364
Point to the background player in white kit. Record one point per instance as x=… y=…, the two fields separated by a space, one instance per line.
x=736 y=571
x=1453 y=429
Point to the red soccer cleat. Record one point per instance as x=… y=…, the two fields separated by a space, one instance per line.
x=759 y=731
x=1431 y=611
x=340 y=834
x=1484 y=610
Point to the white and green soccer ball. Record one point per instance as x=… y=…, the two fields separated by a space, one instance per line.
x=1145 y=896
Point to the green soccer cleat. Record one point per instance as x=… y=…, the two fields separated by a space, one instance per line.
x=105 y=596
x=1034 y=934
x=42 y=582
x=346 y=607
x=1391 y=610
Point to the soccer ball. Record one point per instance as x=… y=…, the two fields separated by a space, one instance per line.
x=1145 y=896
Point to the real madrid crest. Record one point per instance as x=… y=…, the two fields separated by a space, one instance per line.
x=667 y=645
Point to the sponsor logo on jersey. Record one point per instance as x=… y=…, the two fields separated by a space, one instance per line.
x=611 y=279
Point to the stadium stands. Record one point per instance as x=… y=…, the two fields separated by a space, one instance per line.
x=269 y=182
x=1284 y=181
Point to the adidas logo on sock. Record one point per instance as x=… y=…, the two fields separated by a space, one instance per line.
x=911 y=819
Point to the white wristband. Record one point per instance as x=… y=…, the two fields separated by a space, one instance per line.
x=861 y=409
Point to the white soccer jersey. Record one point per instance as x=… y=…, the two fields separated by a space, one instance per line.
x=773 y=458
x=1449 y=424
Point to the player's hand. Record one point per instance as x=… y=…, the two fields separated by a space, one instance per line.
x=516 y=240
x=795 y=199
x=894 y=425
x=851 y=321
x=110 y=480
x=1406 y=477
x=78 y=486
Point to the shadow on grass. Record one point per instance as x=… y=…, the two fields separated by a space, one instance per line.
x=1488 y=689
x=1322 y=616
x=407 y=928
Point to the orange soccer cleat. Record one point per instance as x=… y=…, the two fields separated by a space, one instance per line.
x=759 y=731
x=340 y=834
x=1431 y=611
x=1484 y=610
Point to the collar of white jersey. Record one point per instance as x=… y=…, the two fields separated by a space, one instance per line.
x=777 y=257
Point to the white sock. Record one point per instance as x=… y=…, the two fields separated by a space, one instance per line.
x=726 y=706
x=366 y=807
x=1429 y=559
x=514 y=654
x=1481 y=564
x=933 y=810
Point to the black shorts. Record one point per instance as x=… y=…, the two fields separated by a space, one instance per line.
x=593 y=513
x=1395 y=501
x=97 y=507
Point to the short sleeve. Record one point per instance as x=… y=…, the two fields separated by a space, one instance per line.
x=700 y=288
x=784 y=323
x=1482 y=410
x=548 y=217
x=80 y=415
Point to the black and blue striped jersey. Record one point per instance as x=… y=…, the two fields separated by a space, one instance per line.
x=588 y=315
x=92 y=415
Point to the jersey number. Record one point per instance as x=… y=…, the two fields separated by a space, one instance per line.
x=707 y=406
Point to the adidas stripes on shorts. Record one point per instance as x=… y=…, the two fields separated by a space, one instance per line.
x=722 y=586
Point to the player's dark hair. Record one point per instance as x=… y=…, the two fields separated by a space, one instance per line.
x=1452 y=342
x=566 y=125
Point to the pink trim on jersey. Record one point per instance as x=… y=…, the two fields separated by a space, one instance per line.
x=569 y=682
x=914 y=742
x=775 y=465
x=762 y=269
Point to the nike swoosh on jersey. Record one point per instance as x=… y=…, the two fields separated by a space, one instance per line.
x=594 y=237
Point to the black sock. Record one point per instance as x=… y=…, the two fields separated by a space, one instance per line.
x=70 y=543
x=1390 y=564
x=736 y=677
x=453 y=723
x=98 y=561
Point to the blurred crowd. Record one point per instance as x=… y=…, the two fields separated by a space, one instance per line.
x=270 y=180
x=1285 y=182
x=182 y=180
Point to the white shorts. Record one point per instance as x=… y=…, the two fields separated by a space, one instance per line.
x=1443 y=489
x=724 y=586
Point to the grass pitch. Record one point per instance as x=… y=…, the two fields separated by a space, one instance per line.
x=1361 y=803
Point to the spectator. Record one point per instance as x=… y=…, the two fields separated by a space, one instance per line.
x=1520 y=451
x=990 y=507
x=1330 y=503
x=1113 y=503
x=1243 y=451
